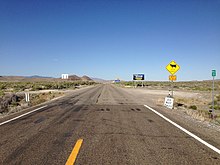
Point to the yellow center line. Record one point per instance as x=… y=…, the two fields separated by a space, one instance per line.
x=72 y=158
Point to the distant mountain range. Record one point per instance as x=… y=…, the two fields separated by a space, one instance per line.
x=43 y=78
x=36 y=76
x=77 y=78
x=99 y=80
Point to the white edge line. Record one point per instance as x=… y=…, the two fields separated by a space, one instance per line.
x=186 y=131
x=22 y=115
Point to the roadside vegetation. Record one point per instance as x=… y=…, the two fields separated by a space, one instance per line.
x=188 y=85
x=11 y=103
x=12 y=94
x=198 y=107
x=36 y=86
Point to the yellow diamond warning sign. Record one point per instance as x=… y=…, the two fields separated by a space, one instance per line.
x=172 y=67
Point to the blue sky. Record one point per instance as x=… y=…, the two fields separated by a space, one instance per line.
x=110 y=38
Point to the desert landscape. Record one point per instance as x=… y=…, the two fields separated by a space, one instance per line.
x=40 y=89
x=193 y=97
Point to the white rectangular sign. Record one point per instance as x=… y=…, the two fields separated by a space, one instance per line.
x=169 y=102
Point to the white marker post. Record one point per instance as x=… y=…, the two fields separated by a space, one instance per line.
x=27 y=97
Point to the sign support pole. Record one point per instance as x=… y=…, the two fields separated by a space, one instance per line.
x=172 y=88
x=172 y=67
x=213 y=98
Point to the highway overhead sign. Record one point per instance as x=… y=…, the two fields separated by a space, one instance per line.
x=172 y=67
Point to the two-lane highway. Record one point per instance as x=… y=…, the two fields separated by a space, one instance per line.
x=115 y=130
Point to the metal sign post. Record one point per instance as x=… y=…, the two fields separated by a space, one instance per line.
x=172 y=88
x=213 y=88
x=172 y=78
x=172 y=67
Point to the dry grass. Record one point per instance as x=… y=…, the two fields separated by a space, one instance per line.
x=198 y=107
x=186 y=86
x=194 y=98
x=35 y=99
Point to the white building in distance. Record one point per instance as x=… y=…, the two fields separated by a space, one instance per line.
x=64 y=76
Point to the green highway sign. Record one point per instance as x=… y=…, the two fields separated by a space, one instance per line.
x=213 y=73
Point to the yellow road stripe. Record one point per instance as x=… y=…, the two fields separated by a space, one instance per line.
x=72 y=158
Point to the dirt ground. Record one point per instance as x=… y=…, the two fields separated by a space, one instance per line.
x=183 y=100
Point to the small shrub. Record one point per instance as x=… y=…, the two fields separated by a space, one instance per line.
x=2 y=93
x=216 y=107
x=52 y=96
x=14 y=104
x=218 y=119
x=215 y=102
x=194 y=107
x=218 y=97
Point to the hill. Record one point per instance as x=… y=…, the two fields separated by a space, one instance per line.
x=100 y=80
x=86 y=78
x=74 y=78
x=37 y=78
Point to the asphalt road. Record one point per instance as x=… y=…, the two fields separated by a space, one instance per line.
x=115 y=129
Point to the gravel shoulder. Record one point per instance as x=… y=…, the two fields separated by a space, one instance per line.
x=155 y=98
